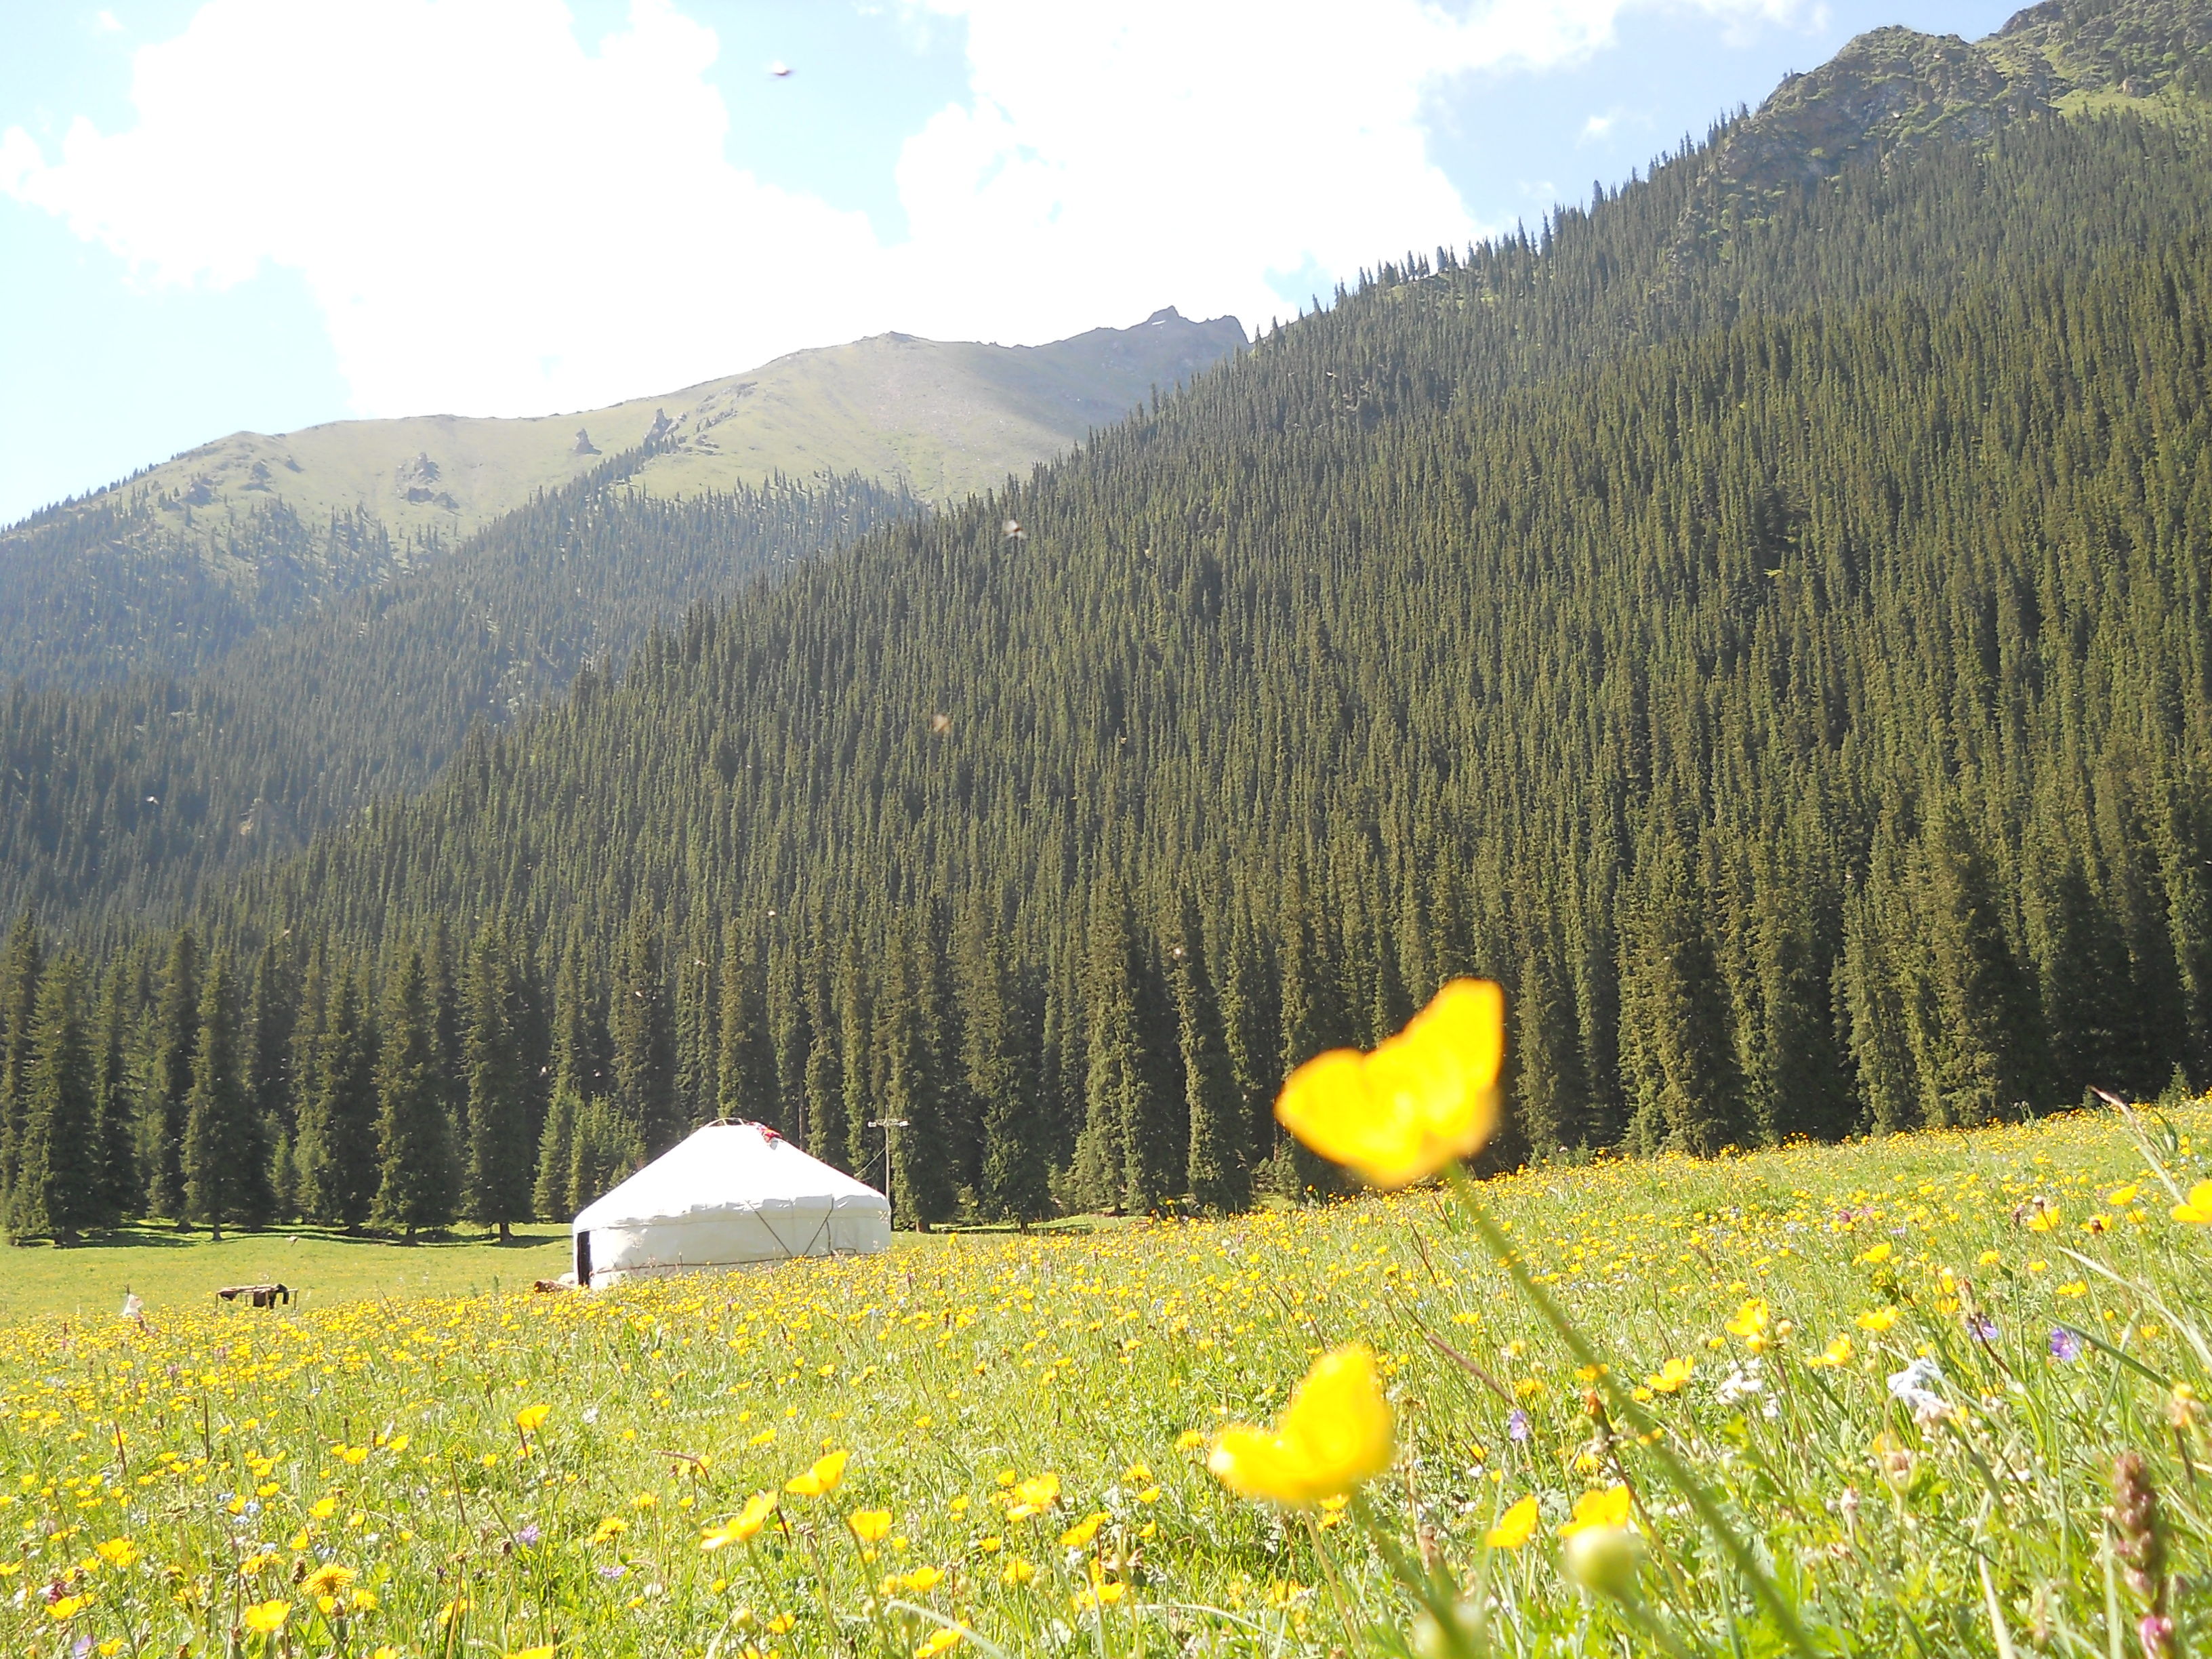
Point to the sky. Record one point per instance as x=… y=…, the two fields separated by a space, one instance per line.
x=218 y=215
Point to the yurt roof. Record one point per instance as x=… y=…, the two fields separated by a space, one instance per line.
x=725 y=1166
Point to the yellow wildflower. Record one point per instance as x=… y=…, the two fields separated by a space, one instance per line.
x=745 y=1524
x=822 y=1479
x=1876 y=1319
x=1672 y=1377
x=2198 y=1208
x=1033 y=1496
x=531 y=1419
x=869 y=1526
x=1874 y=1257
x=267 y=1618
x=1610 y=1508
x=1750 y=1324
x=1515 y=1528
x=1078 y=1536
x=1423 y=1099
x=1334 y=1435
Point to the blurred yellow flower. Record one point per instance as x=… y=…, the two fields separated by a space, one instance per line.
x=1033 y=1496
x=2197 y=1207
x=1515 y=1528
x=544 y=1652
x=745 y=1524
x=1336 y=1433
x=1876 y=1319
x=1838 y=1352
x=1749 y=1324
x=118 y=1552
x=1078 y=1536
x=1876 y=1256
x=2044 y=1219
x=328 y=1579
x=944 y=1641
x=1423 y=1099
x=1610 y=1508
x=821 y=1479
x=530 y=1418
x=267 y=1618
x=869 y=1526
x=2120 y=1197
x=1672 y=1377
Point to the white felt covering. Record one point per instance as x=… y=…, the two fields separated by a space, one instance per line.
x=731 y=1195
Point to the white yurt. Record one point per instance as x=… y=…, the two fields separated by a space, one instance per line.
x=731 y=1195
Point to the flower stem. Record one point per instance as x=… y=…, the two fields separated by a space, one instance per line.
x=1649 y=1431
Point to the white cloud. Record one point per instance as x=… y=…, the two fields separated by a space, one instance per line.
x=494 y=219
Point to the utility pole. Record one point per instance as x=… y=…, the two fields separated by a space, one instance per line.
x=890 y=1126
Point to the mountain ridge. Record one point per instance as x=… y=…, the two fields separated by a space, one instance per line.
x=174 y=566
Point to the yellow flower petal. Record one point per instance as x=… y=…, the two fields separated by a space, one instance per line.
x=1336 y=1433
x=1609 y=1509
x=822 y=1479
x=1515 y=1528
x=1423 y=1099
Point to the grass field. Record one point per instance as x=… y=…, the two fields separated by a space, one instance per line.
x=171 y=1272
x=456 y=1473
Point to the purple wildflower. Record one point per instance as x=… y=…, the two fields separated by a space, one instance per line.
x=1981 y=1327
x=1517 y=1424
x=613 y=1572
x=2064 y=1345
x=529 y=1534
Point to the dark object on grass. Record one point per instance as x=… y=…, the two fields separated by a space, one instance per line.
x=261 y=1296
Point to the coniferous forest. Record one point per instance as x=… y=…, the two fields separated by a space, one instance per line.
x=1764 y=619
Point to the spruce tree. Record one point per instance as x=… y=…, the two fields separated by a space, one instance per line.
x=698 y=1056
x=1675 y=1036
x=1218 y=1157
x=501 y=1152
x=912 y=1088
x=576 y=1057
x=1550 y=1087
x=642 y=1031
x=169 y=1084
x=338 y=1148
x=58 y=1192
x=120 y=1192
x=443 y=974
x=414 y=1184
x=1251 y=1021
x=1983 y=1050
x=996 y=1055
x=19 y=1013
x=272 y=1013
x=553 y=1193
x=828 y=1135
x=220 y=1166
x=857 y=1059
x=790 y=1037
x=745 y=1071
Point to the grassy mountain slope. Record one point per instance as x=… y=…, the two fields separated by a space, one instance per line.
x=169 y=570
x=1786 y=660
